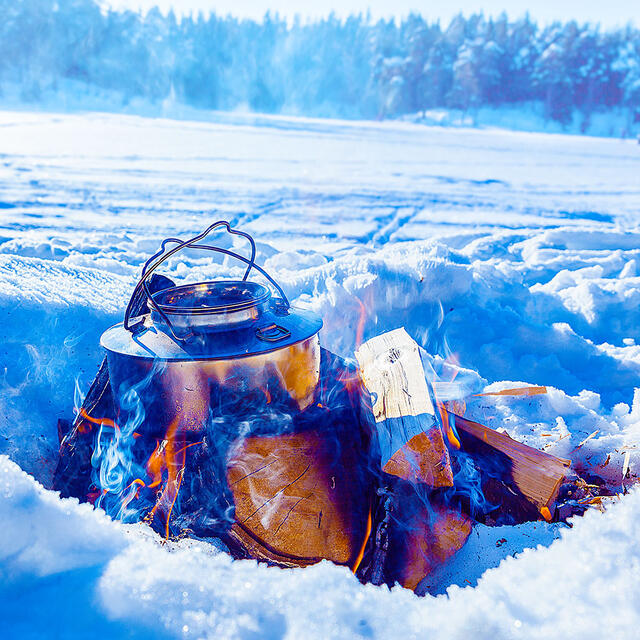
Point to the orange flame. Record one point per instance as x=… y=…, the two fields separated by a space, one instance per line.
x=169 y=456
x=107 y=422
x=448 y=429
x=138 y=483
x=442 y=409
x=165 y=468
x=367 y=533
x=363 y=313
x=362 y=317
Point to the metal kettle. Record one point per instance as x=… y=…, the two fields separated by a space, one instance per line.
x=232 y=367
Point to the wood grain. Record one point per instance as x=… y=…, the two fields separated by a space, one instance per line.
x=411 y=442
x=298 y=497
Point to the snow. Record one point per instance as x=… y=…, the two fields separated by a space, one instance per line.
x=518 y=252
x=72 y=96
x=528 y=116
x=73 y=567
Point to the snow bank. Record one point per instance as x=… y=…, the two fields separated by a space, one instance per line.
x=51 y=317
x=70 y=566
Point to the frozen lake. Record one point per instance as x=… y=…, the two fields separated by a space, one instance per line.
x=309 y=181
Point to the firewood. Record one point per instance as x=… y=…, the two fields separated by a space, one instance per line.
x=244 y=545
x=410 y=440
x=298 y=498
x=422 y=460
x=431 y=541
x=423 y=535
x=536 y=474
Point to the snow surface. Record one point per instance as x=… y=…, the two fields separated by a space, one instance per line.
x=520 y=253
x=73 y=96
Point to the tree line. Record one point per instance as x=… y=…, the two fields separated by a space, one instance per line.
x=354 y=67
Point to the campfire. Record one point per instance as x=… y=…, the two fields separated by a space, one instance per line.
x=217 y=414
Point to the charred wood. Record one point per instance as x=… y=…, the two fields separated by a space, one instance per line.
x=72 y=476
x=513 y=473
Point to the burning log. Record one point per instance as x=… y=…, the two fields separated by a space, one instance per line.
x=391 y=368
x=410 y=440
x=414 y=532
x=536 y=474
x=297 y=496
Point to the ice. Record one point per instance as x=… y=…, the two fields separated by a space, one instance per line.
x=518 y=253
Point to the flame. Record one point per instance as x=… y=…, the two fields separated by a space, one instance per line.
x=546 y=514
x=165 y=464
x=367 y=533
x=164 y=468
x=447 y=419
x=362 y=317
x=101 y=422
x=167 y=461
x=448 y=426
x=133 y=492
x=363 y=314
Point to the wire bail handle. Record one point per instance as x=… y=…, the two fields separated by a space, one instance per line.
x=150 y=266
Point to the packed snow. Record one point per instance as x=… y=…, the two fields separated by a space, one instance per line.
x=516 y=254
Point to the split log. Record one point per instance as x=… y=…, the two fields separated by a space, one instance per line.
x=536 y=474
x=411 y=536
x=410 y=440
x=427 y=537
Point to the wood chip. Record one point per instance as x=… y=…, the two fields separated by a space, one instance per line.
x=519 y=391
x=591 y=435
x=625 y=464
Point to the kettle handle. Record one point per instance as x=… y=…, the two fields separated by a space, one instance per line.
x=162 y=255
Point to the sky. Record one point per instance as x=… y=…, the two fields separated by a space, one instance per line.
x=609 y=13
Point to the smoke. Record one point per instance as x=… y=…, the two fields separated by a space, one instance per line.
x=116 y=460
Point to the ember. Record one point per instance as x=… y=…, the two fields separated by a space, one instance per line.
x=217 y=414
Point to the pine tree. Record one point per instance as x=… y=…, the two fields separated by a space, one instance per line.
x=353 y=67
x=550 y=75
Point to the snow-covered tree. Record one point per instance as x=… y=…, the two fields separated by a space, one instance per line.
x=350 y=67
x=551 y=77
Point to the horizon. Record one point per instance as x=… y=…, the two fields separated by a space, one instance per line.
x=618 y=13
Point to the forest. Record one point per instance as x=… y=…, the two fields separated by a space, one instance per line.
x=351 y=68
